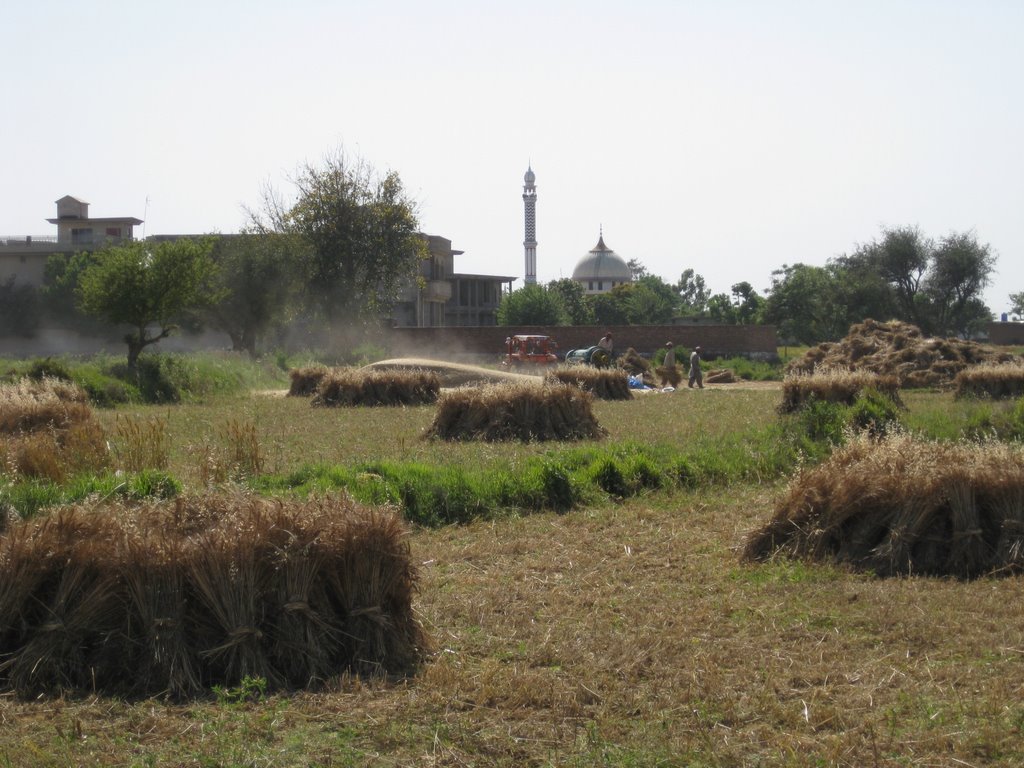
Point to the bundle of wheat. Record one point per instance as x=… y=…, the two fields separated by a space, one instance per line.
x=352 y=386
x=605 y=384
x=669 y=375
x=48 y=430
x=996 y=380
x=901 y=506
x=901 y=350
x=516 y=411
x=834 y=385
x=720 y=376
x=305 y=380
x=177 y=597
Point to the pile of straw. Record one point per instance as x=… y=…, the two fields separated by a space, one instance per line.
x=636 y=364
x=834 y=385
x=306 y=380
x=995 y=380
x=177 y=597
x=48 y=430
x=352 y=386
x=516 y=411
x=603 y=383
x=904 y=506
x=899 y=349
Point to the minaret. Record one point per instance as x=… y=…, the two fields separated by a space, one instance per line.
x=530 y=209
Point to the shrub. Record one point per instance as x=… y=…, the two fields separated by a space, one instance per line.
x=48 y=368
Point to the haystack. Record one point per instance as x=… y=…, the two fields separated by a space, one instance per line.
x=902 y=505
x=603 y=383
x=899 y=349
x=834 y=385
x=996 y=380
x=516 y=411
x=353 y=387
x=48 y=430
x=306 y=380
x=177 y=597
x=636 y=365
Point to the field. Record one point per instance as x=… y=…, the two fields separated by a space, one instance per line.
x=620 y=633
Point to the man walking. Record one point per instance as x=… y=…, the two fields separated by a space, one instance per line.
x=695 y=373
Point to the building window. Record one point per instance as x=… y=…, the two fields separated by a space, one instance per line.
x=81 y=236
x=113 y=232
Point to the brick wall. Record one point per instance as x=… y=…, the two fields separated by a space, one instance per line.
x=1006 y=334
x=756 y=341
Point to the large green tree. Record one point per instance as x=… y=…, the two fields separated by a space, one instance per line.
x=693 y=293
x=258 y=281
x=359 y=235
x=574 y=299
x=19 y=308
x=143 y=284
x=532 y=305
x=801 y=303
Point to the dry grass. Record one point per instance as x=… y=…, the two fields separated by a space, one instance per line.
x=834 y=385
x=621 y=636
x=176 y=597
x=899 y=349
x=604 y=384
x=141 y=444
x=517 y=412
x=356 y=387
x=48 y=430
x=995 y=380
x=304 y=381
x=902 y=505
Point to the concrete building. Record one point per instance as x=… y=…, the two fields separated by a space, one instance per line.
x=601 y=269
x=24 y=258
x=443 y=297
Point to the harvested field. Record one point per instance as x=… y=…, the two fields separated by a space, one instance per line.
x=177 y=597
x=360 y=387
x=902 y=505
x=899 y=349
x=603 y=383
x=995 y=380
x=834 y=385
x=516 y=411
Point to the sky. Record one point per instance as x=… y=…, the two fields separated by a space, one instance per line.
x=728 y=136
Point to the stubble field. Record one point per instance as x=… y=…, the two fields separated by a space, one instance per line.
x=621 y=634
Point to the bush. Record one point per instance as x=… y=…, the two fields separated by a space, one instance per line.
x=48 y=368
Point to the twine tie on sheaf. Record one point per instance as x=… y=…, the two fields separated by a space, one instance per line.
x=297 y=606
x=164 y=624
x=53 y=626
x=235 y=637
x=966 y=533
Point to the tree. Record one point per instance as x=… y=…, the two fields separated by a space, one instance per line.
x=574 y=299
x=19 y=309
x=359 y=232
x=901 y=259
x=143 y=283
x=257 y=280
x=649 y=301
x=532 y=305
x=801 y=303
x=960 y=270
x=747 y=302
x=637 y=269
x=609 y=308
x=1017 y=304
x=693 y=293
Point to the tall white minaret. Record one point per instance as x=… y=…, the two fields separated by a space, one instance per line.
x=530 y=209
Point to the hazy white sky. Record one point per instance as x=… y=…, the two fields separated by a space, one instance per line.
x=728 y=136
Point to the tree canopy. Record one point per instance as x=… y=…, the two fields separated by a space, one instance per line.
x=533 y=305
x=355 y=235
x=143 y=283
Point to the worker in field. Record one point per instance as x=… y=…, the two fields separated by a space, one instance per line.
x=696 y=377
x=669 y=377
x=607 y=345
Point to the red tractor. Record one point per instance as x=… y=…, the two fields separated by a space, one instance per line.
x=530 y=350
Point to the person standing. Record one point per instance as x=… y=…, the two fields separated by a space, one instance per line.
x=696 y=377
x=669 y=377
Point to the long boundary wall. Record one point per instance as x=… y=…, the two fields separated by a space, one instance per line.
x=755 y=341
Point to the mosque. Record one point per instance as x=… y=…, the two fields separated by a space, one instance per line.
x=598 y=271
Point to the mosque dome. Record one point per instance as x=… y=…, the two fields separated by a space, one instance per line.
x=601 y=269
